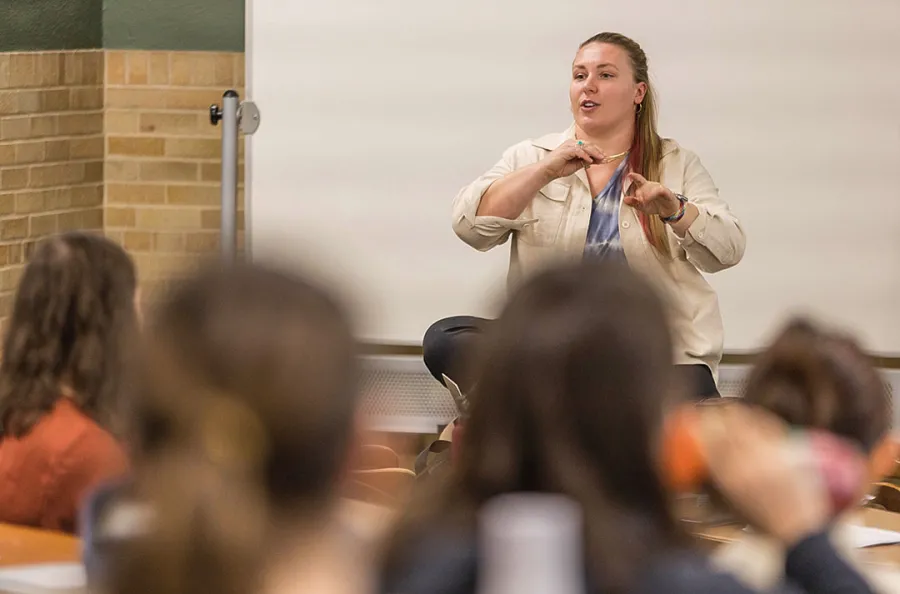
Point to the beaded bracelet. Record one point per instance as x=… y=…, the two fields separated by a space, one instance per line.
x=682 y=202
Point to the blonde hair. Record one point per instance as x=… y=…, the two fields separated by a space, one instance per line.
x=646 y=150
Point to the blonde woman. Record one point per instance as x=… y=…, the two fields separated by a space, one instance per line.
x=608 y=187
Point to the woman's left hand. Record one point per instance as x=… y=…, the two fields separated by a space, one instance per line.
x=651 y=198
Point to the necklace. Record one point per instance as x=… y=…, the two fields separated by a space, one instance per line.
x=612 y=158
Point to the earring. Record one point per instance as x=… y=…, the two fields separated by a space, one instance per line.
x=638 y=108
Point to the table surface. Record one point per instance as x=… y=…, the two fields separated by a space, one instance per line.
x=882 y=555
x=22 y=546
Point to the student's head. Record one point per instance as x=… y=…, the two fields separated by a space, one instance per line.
x=71 y=327
x=570 y=399
x=815 y=378
x=245 y=423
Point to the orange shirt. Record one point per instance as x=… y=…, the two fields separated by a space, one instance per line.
x=45 y=475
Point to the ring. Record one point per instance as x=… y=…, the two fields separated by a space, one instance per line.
x=580 y=143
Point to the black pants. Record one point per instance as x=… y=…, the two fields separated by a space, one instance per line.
x=448 y=344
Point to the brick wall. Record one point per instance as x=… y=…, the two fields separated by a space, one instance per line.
x=51 y=152
x=163 y=157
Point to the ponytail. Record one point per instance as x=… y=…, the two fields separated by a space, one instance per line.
x=646 y=149
x=210 y=512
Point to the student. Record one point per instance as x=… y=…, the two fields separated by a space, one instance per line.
x=62 y=378
x=242 y=438
x=575 y=384
x=814 y=378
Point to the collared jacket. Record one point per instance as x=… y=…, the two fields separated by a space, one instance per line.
x=554 y=226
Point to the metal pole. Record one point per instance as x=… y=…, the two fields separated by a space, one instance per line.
x=230 y=104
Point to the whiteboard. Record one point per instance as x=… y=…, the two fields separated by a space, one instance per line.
x=375 y=114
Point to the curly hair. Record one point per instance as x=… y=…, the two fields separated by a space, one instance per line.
x=72 y=319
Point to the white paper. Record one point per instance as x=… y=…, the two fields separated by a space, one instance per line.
x=49 y=577
x=864 y=536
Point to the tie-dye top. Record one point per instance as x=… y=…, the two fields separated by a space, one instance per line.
x=603 y=231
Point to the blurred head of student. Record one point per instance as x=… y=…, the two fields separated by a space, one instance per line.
x=72 y=325
x=817 y=378
x=244 y=429
x=571 y=397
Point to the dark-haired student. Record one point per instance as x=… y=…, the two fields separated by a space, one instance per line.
x=574 y=386
x=62 y=379
x=819 y=379
x=243 y=432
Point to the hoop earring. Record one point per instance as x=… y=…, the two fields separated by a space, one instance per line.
x=638 y=109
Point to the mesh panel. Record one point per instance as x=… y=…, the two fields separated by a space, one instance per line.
x=398 y=394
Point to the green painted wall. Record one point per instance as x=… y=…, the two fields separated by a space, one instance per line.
x=212 y=25
x=34 y=25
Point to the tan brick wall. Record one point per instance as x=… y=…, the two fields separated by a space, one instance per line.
x=163 y=157
x=51 y=153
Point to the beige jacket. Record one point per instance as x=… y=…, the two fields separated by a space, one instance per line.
x=758 y=561
x=554 y=228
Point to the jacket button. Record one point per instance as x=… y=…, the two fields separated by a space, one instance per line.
x=626 y=225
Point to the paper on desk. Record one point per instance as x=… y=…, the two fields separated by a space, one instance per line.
x=47 y=577
x=862 y=537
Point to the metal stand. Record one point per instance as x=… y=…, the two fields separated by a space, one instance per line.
x=236 y=117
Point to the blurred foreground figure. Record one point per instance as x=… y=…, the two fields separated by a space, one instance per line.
x=576 y=383
x=816 y=379
x=62 y=379
x=242 y=437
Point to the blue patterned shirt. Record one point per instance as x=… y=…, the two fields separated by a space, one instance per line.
x=603 y=231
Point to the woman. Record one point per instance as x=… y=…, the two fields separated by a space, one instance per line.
x=608 y=187
x=243 y=435
x=574 y=386
x=814 y=378
x=62 y=378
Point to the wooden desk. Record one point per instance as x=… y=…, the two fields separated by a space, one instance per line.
x=22 y=546
x=884 y=555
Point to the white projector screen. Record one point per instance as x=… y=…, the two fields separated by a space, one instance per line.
x=375 y=114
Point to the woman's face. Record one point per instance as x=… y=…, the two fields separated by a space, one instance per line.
x=603 y=92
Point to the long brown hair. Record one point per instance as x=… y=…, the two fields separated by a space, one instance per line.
x=571 y=397
x=72 y=324
x=246 y=418
x=813 y=377
x=646 y=150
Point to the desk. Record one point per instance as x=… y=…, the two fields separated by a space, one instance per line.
x=22 y=546
x=884 y=555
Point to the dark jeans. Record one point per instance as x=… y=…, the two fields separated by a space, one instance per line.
x=448 y=345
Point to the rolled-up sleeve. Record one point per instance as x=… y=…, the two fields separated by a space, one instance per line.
x=480 y=232
x=715 y=240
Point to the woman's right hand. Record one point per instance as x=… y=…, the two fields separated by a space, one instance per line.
x=748 y=463
x=569 y=157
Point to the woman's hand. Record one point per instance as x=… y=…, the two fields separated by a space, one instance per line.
x=569 y=157
x=651 y=198
x=750 y=465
